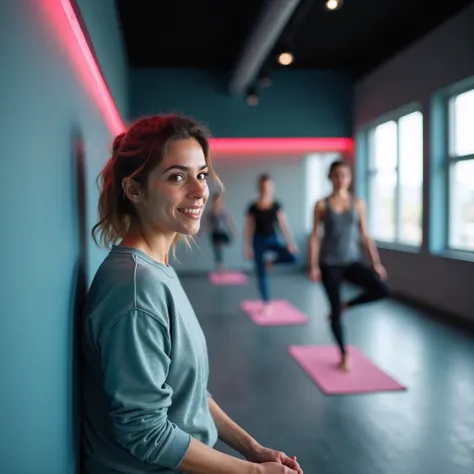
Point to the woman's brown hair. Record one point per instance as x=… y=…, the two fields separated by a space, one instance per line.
x=134 y=154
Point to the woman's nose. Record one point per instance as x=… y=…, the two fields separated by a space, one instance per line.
x=198 y=189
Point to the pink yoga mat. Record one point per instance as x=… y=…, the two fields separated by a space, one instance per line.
x=228 y=278
x=282 y=314
x=320 y=363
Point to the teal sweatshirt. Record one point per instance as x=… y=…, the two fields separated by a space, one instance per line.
x=145 y=370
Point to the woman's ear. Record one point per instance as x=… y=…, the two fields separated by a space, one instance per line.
x=132 y=190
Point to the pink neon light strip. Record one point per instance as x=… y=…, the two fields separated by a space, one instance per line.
x=278 y=146
x=97 y=85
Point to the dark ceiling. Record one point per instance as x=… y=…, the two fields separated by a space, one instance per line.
x=211 y=33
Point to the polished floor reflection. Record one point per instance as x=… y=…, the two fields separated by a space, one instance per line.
x=427 y=429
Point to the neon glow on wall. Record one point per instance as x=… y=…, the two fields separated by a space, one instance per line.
x=278 y=146
x=64 y=18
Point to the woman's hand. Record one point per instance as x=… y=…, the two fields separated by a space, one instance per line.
x=262 y=455
x=274 y=468
x=314 y=274
x=248 y=253
x=292 y=248
x=380 y=270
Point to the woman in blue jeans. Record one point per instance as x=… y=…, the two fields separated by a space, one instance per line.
x=263 y=218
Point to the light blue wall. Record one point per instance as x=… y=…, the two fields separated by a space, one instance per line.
x=298 y=104
x=442 y=58
x=239 y=177
x=292 y=183
x=44 y=105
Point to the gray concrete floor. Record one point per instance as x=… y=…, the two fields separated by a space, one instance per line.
x=429 y=429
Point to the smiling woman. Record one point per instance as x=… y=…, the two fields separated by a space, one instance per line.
x=146 y=370
x=158 y=169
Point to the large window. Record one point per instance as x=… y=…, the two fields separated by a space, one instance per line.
x=461 y=171
x=318 y=185
x=396 y=180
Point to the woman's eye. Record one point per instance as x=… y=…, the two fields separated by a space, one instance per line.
x=178 y=178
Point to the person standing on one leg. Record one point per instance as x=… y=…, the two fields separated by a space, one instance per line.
x=263 y=218
x=222 y=229
x=339 y=255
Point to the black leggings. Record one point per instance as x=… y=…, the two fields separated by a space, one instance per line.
x=359 y=274
x=219 y=239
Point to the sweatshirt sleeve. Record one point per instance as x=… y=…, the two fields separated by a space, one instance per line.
x=135 y=367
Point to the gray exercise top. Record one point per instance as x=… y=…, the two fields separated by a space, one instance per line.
x=219 y=222
x=341 y=242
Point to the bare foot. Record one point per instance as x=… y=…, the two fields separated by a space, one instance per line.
x=345 y=364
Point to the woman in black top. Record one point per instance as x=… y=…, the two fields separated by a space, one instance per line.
x=263 y=218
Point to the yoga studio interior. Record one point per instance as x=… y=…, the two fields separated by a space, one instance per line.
x=324 y=261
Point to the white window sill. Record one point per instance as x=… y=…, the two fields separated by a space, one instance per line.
x=398 y=247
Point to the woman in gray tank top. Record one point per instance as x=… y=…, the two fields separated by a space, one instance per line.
x=337 y=256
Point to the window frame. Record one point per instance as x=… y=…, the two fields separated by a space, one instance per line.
x=324 y=160
x=449 y=163
x=370 y=173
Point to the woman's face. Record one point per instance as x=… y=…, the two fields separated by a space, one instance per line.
x=341 y=178
x=177 y=190
x=266 y=188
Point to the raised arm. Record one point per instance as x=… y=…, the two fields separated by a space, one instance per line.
x=285 y=229
x=248 y=234
x=318 y=214
x=232 y=226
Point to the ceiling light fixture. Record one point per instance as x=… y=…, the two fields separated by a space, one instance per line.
x=265 y=80
x=333 y=4
x=285 y=59
x=252 y=97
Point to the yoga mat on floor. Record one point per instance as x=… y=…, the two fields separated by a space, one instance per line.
x=228 y=278
x=320 y=363
x=282 y=314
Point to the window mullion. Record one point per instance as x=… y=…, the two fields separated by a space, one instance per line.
x=398 y=219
